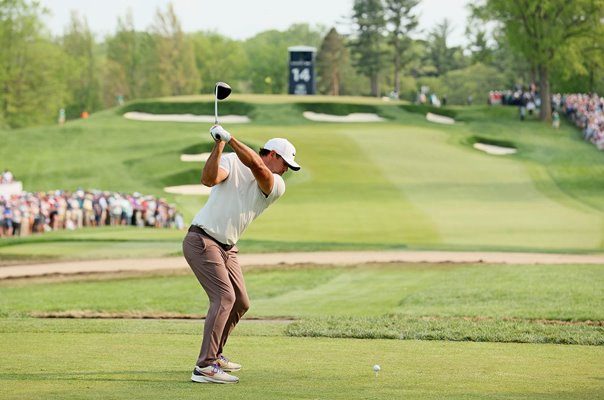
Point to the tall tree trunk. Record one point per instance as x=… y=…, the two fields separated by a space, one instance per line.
x=397 y=74
x=375 y=87
x=532 y=74
x=545 y=113
x=335 y=84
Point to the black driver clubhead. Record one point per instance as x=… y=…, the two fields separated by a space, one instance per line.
x=222 y=90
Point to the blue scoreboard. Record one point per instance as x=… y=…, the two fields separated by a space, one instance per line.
x=302 y=70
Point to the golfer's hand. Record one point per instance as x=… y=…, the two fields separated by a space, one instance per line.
x=219 y=133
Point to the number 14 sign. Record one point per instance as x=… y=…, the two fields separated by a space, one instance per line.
x=301 y=70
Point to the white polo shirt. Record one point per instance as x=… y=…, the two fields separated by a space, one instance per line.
x=234 y=203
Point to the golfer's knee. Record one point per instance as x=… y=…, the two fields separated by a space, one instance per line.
x=242 y=304
x=227 y=301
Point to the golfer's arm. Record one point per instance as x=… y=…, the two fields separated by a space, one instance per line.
x=212 y=174
x=252 y=160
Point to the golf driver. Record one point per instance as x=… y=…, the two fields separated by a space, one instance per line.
x=221 y=92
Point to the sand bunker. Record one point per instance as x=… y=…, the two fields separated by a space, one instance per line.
x=139 y=116
x=192 y=190
x=354 y=117
x=439 y=119
x=496 y=150
x=203 y=157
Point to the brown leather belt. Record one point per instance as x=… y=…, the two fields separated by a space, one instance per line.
x=197 y=229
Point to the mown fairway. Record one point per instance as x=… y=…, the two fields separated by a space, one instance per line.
x=404 y=183
x=345 y=315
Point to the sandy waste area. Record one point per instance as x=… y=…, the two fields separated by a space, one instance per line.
x=354 y=117
x=495 y=150
x=439 y=119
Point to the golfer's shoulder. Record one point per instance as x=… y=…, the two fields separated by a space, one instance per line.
x=278 y=186
x=230 y=157
x=228 y=160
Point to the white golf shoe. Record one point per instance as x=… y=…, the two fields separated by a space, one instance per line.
x=212 y=374
x=227 y=365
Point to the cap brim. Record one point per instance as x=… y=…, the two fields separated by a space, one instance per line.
x=291 y=164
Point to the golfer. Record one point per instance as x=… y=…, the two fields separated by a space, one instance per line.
x=244 y=184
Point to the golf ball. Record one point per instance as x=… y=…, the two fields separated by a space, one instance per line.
x=376 y=368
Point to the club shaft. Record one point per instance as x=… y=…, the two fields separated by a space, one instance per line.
x=215 y=109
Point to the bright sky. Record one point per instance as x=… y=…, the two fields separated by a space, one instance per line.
x=240 y=19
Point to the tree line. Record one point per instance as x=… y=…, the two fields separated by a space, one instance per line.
x=555 y=44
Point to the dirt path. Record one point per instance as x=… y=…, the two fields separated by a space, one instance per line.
x=271 y=259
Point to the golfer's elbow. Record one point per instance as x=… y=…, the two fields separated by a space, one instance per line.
x=208 y=181
x=211 y=177
x=208 y=178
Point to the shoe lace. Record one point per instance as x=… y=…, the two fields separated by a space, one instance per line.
x=224 y=359
x=217 y=369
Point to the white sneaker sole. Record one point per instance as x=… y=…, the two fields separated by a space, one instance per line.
x=207 y=379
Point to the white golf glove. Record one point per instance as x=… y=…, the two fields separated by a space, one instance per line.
x=219 y=133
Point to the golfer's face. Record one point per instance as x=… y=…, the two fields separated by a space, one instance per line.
x=281 y=165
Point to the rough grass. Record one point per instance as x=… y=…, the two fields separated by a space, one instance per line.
x=451 y=329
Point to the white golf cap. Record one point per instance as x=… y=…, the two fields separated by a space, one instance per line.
x=285 y=149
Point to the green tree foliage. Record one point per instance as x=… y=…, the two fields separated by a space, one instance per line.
x=474 y=81
x=333 y=58
x=124 y=68
x=268 y=62
x=368 y=42
x=267 y=54
x=83 y=77
x=400 y=22
x=443 y=57
x=479 y=47
x=218 y=58
x=174 y=55
x=581 y=68
x=31 y=85
x=545 y=31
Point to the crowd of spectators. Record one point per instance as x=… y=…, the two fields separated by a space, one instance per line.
x=526 y=99
x=31 y=213
x=587 y=112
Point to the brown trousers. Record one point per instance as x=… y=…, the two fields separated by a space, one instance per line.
x=219 y=273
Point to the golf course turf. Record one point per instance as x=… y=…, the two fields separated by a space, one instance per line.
x=455 y=331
